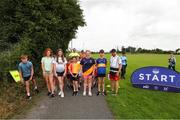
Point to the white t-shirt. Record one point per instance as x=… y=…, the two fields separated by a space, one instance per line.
x=115 y=61
x=60 y=65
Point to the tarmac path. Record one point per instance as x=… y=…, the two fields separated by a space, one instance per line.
x=69 y=107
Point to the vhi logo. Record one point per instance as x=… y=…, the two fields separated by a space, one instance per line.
x=156 y=78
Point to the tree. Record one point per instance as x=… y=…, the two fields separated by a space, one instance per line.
x=38 y=24
x=130 y=49
x=177 y=51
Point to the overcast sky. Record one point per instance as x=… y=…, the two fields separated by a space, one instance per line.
x=139 y=23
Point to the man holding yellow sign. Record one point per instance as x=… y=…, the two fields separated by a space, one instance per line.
x=26 y=71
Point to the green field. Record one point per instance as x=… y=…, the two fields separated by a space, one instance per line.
x=135 y=103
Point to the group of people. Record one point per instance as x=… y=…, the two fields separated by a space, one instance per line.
x=77 y=69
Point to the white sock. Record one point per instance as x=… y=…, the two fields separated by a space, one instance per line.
x=35 y=87
x=28 y=94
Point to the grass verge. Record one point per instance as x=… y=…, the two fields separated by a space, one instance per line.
x=12 y=98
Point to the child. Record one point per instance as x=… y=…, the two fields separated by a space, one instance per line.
x=101 y=72
x=80 y=74
x=55 y=80
x=115 y=67
x=74 y=69
x=26 y=71
x=68 y=75
x=60 y=70
x=82 y=54
x=74 y=53
x=47 y=68
x=88 y=69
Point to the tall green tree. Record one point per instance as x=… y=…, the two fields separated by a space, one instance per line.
x=38 y=24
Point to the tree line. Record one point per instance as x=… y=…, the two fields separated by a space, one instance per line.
x=131 y=49
x=30 y=26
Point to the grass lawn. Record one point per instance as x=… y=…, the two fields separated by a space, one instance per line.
x=135 y=103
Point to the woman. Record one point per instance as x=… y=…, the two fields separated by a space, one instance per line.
x=88 y=69
x=47 y=68
x=60 y=70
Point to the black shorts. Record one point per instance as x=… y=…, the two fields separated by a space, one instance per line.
x=74 y=78
x=26 y=78
x=60 y=74
x=101 y=75
x=112 y=73
x=68 y=76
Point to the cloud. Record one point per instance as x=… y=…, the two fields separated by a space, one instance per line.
x=140 y=23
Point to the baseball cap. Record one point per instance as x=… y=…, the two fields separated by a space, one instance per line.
x=101 y=51
x=113 y=51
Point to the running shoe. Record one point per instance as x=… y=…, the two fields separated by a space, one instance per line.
x=59 y=93
x=36 y=90
x=28 y=97
x=62 y=94
x=84 y=93
x=90 y=94
x=74 y=92
x=98 y=93
x=52 y=95
x=104 y=93
x=49 y=93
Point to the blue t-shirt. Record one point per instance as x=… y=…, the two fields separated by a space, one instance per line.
x=87 y=65
x=25 y=68
x=123 y=60
x=101 y=65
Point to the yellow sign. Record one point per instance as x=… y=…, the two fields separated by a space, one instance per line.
x=15 y=75
x=108 y=86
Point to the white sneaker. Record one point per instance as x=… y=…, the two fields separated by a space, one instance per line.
x=62 y=94
x=35 y=88
x=90 y=94
x=84 y=93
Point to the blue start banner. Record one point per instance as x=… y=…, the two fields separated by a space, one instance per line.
x=156 y=78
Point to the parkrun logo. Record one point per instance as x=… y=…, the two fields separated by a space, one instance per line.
x=156 y=78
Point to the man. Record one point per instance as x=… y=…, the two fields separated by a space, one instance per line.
x=124 y=65
x=172 y=62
